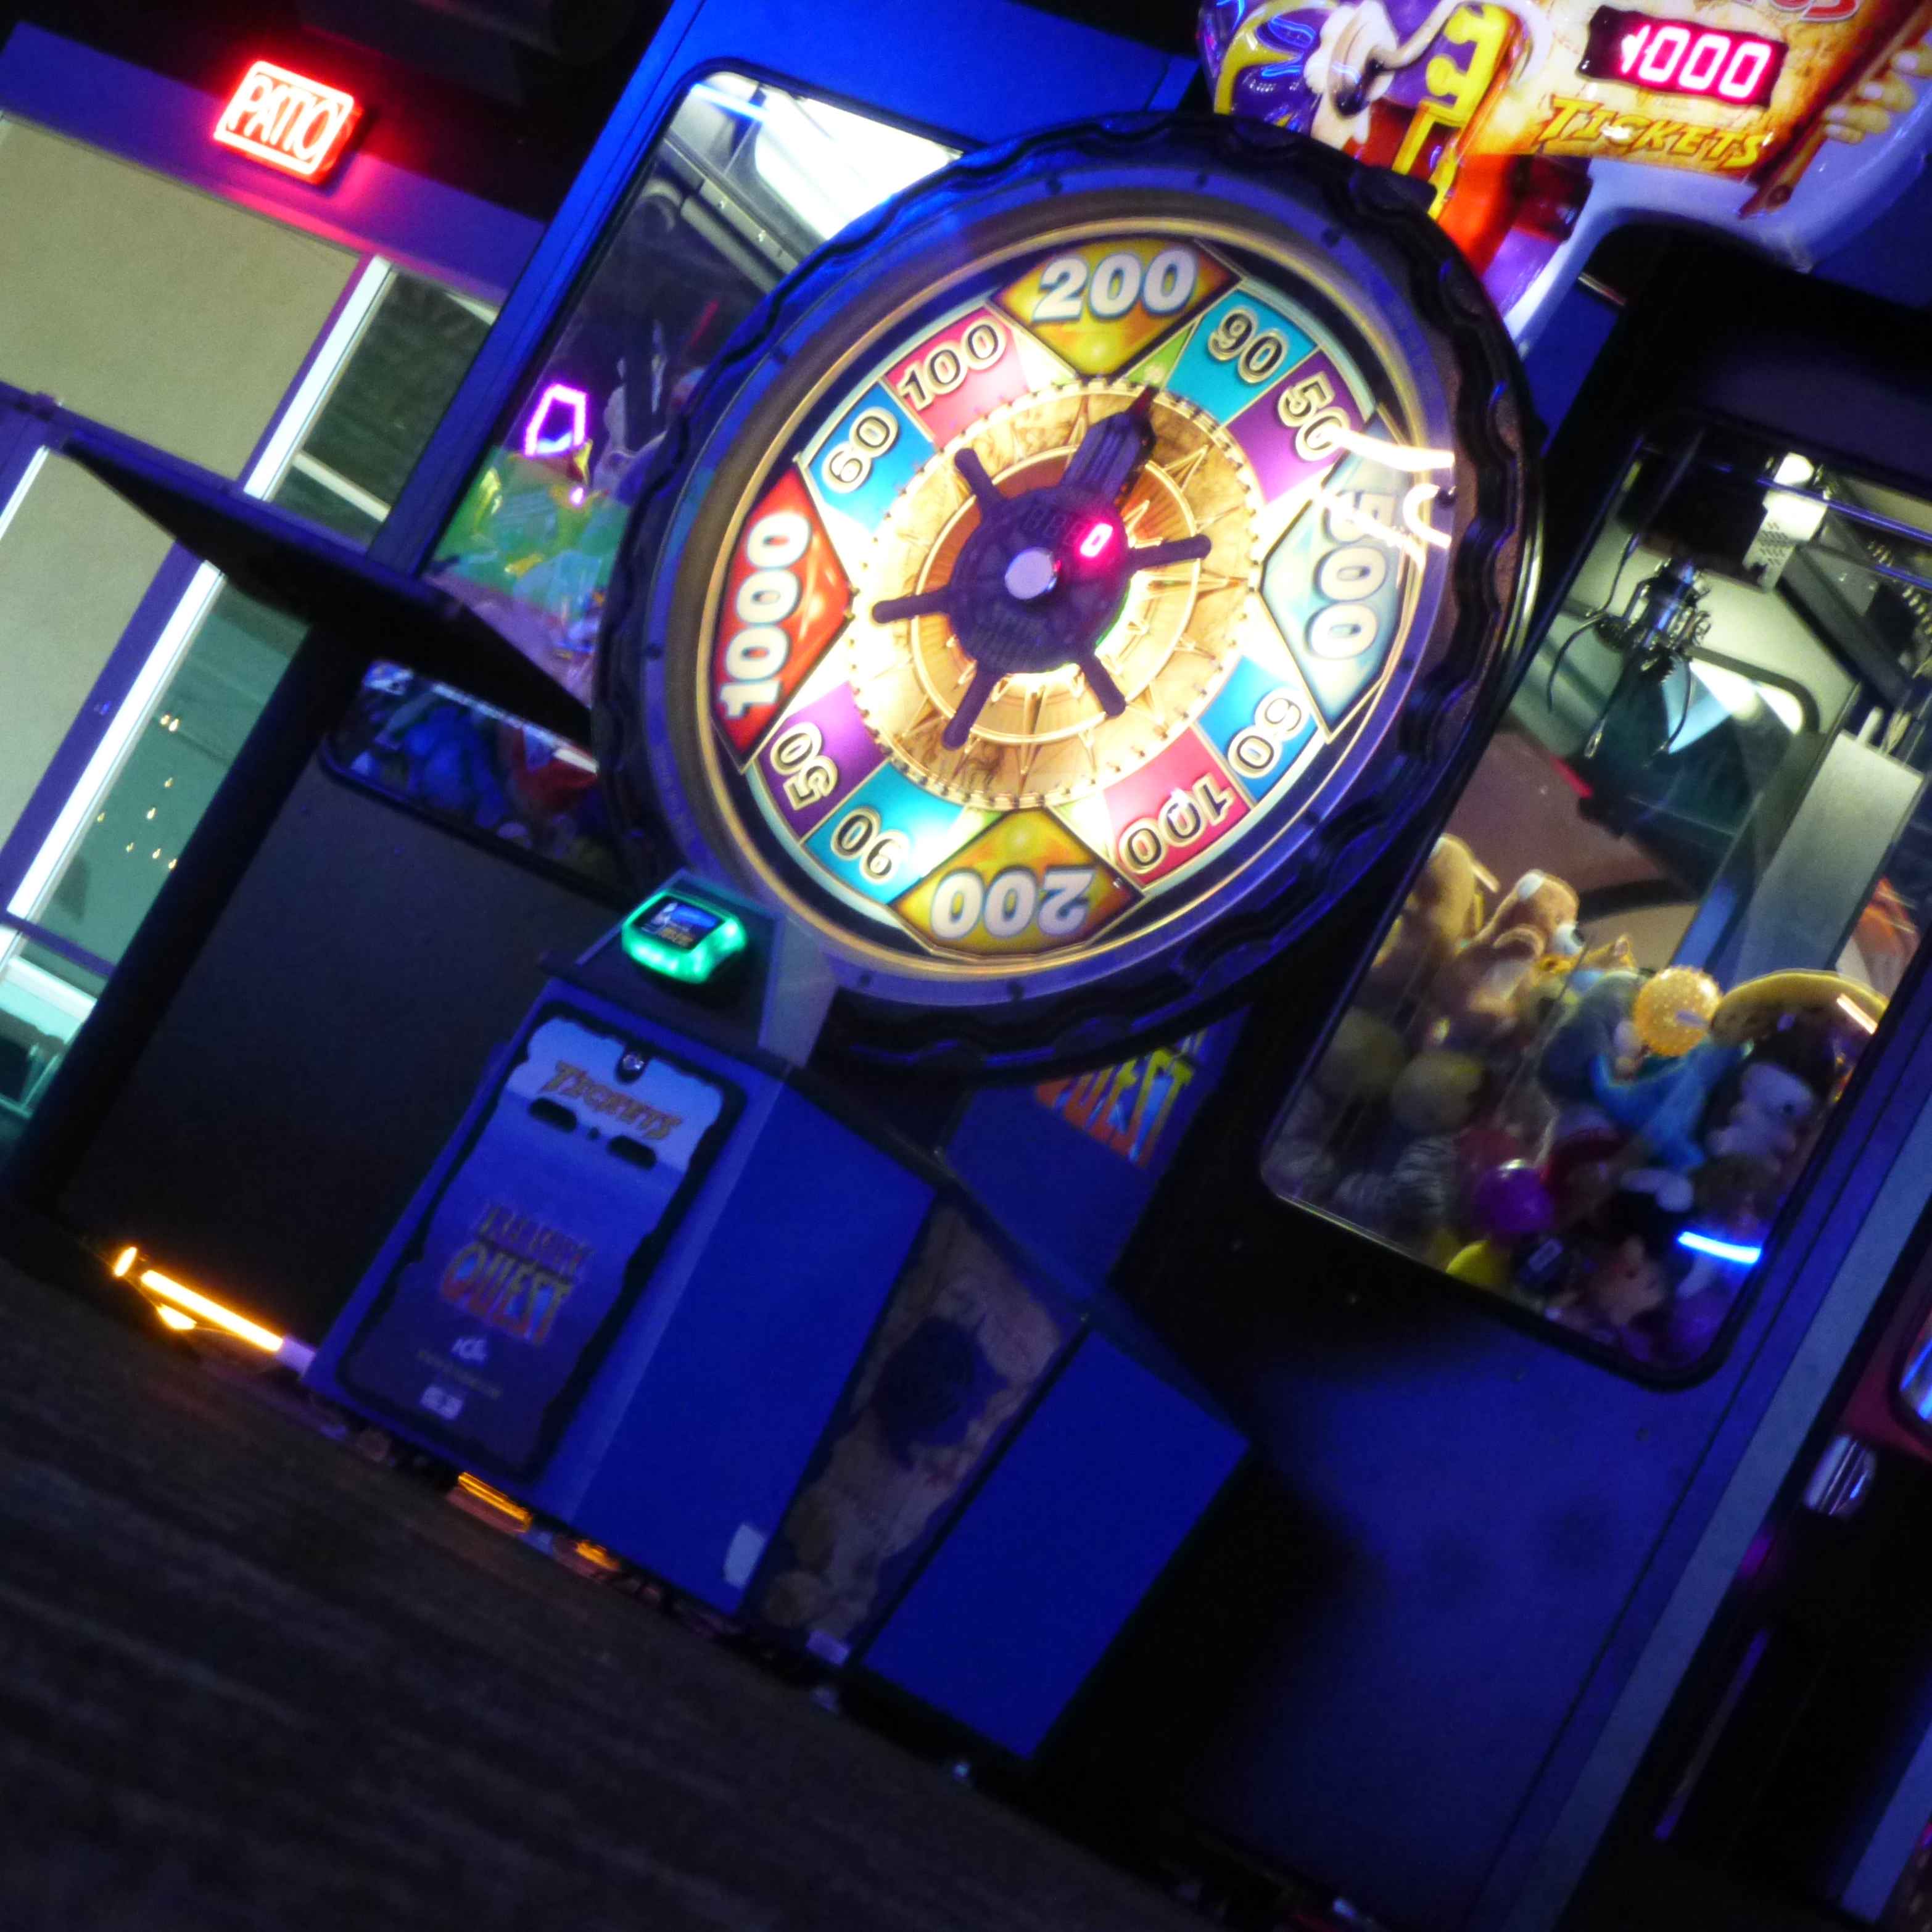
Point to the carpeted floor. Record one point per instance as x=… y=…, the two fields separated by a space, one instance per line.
x=247 y=1680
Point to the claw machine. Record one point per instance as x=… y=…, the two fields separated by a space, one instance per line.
x=1529 y=1253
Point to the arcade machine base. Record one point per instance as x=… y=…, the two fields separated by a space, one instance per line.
x=654 y=1288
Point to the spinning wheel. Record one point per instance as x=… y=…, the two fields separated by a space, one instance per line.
x=1068 y=580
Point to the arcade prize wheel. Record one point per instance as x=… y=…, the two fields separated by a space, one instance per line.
x=1071 y=578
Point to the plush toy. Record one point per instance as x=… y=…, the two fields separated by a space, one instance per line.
x=1673 y=1010
x=1586 y=1157
x=1736 y=1196
x=1771 y=1003
x=1437 y=1093
x=1614 y=955
x=1627 y=1281
x=1670 y=1192
x=1444 y=909
x=1427 y=1181
x=1298 y=1165
x=1368 y=1199
x=1772 y=1105
x=1628 y=1256
x=1663 y=1105
x=1413 y=1202
x=1596 y=1029
x=1688 y=1327
x=1539 y=994
x=1363 y=1057
x=1472 y=1002
x=1583 y=1170
x=1802 y=1030
x=1482 y=1147
x=1539 y=907
x=1777 y=1092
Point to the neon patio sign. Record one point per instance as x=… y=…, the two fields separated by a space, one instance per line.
x=287 y=120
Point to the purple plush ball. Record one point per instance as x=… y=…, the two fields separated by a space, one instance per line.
x=1511 y=1201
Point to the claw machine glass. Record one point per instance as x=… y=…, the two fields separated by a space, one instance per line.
x=1593 y=1053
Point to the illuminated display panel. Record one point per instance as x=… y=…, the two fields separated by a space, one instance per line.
x=1682 y=57
x=1501 y=108
x=681 y=939
x=1219 y=638
x=287 y=120
x=678 y=923
x=746 y=180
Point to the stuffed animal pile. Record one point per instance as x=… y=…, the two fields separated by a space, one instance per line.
x=1541 y=1119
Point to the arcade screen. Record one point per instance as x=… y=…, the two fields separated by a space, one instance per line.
x=1595 y=1048
x=746 y=180
x=477 y=771
x=679 y=923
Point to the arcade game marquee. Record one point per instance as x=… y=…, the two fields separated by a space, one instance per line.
x=907 y=601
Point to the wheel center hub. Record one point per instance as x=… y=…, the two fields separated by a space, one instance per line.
x=1021 y=597
x=1032 y=574
x=1041 y=580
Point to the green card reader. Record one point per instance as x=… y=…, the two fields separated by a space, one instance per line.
x=680 y=937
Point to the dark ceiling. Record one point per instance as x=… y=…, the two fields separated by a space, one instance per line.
x=487 y=114
x=484 y=115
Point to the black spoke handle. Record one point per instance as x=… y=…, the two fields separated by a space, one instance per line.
x=1182 y=550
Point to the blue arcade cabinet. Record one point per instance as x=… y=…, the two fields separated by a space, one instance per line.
x=991 y=605
x=664 y=1288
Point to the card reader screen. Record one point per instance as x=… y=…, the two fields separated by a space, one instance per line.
x=680 y=923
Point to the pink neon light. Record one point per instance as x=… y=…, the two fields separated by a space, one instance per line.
x=1093 y=545
x=288 y=120
x=577 y=407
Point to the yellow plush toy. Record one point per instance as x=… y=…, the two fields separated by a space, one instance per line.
x=1443 y=910
x=1472 y=1002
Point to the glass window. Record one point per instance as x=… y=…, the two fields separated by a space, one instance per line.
x=383 y=406
x=76 y=568
x=1597 y=1044
x=173 y=762
x=40 y=1011
x=178 y=317
x=748 y=179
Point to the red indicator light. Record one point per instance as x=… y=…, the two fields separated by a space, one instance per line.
x=1682 y=57
x=1095 y=544
x=288 y=121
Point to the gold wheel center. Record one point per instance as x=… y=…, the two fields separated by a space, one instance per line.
x=1043 y=738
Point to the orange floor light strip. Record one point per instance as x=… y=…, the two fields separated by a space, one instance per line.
x=182 y=1308
x=204 y=1309
x=495 y=1499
